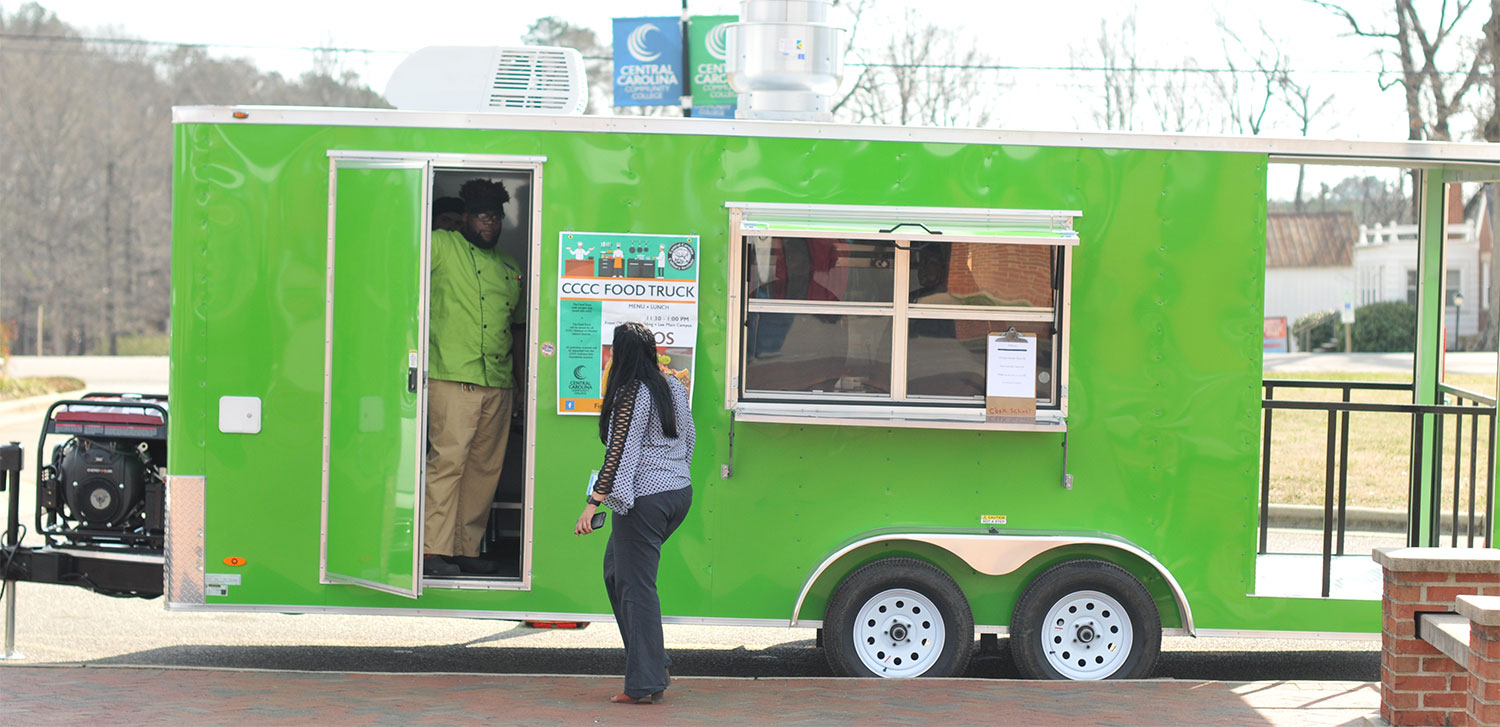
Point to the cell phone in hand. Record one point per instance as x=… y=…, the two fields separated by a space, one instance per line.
x=598 y=519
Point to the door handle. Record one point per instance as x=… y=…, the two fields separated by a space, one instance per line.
x=411 y=380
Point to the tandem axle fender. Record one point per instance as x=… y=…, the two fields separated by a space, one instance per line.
x=995 y=554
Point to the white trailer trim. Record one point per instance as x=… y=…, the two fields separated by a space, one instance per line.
x=1299 y=150
x=996 y=555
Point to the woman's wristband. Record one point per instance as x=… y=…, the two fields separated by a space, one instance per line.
x=590 y=499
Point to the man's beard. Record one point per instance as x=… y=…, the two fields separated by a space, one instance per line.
x=478 y=240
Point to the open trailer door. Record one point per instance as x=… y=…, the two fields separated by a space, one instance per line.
x=373 y=409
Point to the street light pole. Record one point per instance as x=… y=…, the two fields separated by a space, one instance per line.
x=1458 y=319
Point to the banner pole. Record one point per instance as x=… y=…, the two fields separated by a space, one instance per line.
x=687 y=70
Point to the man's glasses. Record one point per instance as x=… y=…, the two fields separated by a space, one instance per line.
x=488 y=217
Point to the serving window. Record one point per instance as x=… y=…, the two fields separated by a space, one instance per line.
x=883 y=315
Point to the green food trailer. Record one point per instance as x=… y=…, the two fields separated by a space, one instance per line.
x=946 y=382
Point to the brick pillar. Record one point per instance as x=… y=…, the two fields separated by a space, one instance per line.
x=1418 y=684
x=1483 y=699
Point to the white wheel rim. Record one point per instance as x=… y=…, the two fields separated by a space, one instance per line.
x=1087 y=635
x=899 y=633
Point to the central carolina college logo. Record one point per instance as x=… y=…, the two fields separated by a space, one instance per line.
x=681 y=256
x=717 y=41
x=636 y=44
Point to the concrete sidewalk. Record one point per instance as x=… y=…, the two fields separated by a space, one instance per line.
x=75 y=695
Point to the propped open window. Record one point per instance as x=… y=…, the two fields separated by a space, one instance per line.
x=882 y=315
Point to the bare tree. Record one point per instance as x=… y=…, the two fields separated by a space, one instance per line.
x=1305 y=105
x=1174 y=98
x=925 y=75
x=1254 y=75
x=597 y=65
x=1490 y=130
x=1113 y=53
x=86 y=173
x=856 y=10
x=1430 y=99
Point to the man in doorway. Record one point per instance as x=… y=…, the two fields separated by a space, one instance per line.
x=448 y=214
x=476 y=294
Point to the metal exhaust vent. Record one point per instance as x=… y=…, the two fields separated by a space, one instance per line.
x=523 y=80
x=785 y=60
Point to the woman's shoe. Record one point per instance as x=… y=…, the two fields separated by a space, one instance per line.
x=623 y=698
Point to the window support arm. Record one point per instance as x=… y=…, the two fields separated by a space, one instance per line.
x=1067 y=479
x=726 y=470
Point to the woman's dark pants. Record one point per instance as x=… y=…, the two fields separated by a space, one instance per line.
x=630 y=562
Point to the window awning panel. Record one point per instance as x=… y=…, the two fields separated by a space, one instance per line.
x=951 y=224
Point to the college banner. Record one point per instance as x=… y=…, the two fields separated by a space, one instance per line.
x=648 y=61
x=605 y=279
x=708 y=47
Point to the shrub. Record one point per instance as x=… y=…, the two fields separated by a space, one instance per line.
x=1315 y=329
x=1385 y=327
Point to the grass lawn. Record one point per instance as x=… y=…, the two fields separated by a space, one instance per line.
x=21 y=388
x=1379 y=446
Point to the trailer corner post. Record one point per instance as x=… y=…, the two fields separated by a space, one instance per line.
x=1427 y=359
x=10 y=483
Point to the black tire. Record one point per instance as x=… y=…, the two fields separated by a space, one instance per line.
x=1080 y=644
x=872 y=585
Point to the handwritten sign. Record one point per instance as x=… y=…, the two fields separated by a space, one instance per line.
x=1010 y=378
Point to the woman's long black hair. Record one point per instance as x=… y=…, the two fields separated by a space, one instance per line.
x=633 y=358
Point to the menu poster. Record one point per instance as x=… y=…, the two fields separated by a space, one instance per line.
x=1010 y=378
x=605 y=279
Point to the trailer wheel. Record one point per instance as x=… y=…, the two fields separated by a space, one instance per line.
x=1085 y=620
x=899 y=618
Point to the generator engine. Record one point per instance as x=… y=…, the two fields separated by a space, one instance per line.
x=104 y=487
x=101 y=484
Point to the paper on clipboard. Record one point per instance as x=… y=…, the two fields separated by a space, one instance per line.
x=1010 y=377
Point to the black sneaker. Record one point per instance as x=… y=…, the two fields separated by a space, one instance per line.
x=479 y=566
x=437 y=565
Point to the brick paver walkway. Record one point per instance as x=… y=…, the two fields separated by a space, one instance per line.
x=120 y=696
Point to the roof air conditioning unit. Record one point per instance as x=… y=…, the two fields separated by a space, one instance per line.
x=524 y=80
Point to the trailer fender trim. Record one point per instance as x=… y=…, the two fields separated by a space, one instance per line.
x=998 y=555
x=184 y=552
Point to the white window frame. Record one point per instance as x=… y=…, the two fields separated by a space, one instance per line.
x=1051 y=228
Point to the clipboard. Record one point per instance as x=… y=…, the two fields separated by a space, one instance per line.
x=1010 y=377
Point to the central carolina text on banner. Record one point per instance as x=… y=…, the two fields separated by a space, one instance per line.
x=648 y=61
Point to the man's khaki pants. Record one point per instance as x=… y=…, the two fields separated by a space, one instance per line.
x=467 y=428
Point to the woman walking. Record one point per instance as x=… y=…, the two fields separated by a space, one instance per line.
x=647 y=429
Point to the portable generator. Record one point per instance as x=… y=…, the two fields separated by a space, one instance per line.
x=104 y=486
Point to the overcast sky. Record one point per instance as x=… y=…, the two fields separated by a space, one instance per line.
x=1014 y=33
x=270 y=32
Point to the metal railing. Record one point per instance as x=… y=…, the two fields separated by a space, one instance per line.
x=1336 y=462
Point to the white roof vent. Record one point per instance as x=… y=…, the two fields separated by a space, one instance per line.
x=524 y=80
